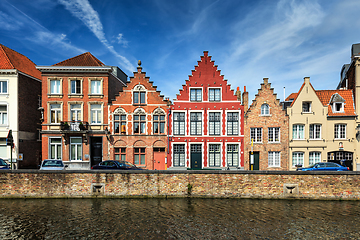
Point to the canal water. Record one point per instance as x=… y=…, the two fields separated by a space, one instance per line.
x=178 y=219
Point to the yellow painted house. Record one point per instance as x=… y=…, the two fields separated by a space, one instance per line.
x=321 y=127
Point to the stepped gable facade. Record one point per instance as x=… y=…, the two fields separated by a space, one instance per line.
x=206 y=122
x=75 y=97
x=266 y=127
x=138 y=124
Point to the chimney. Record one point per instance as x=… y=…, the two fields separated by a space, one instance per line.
x=245 y=98
x=306 y=79
x=266 y=81
x=238 y=94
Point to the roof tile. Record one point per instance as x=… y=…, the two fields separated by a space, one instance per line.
x=85 y=59
x=10 y=59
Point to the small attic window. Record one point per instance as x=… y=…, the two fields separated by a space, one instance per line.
x=337 y=103
x=338 y=107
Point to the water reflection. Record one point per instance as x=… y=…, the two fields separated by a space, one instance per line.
x=177 y=219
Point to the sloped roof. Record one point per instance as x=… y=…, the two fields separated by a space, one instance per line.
x=85 y=59
x=325 y=96
x=291 y=96
x=10 y=59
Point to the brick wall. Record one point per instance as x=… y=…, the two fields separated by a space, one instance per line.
x=239 y=184
x=29 y=121
x=277 y=119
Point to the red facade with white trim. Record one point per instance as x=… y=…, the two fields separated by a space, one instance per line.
x=206 y=127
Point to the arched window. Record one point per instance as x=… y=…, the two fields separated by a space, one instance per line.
x=139 y=95
x=139 y=119
x=159 y=121
x=265 y=109
x=119 y=121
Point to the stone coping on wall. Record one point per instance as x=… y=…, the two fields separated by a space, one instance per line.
x=241 y=172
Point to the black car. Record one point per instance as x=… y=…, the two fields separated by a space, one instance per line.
x=113 y=164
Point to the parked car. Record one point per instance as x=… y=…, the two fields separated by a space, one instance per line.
x=3 y=165
x=113 y=164
x=52 y=164
x=324 y=166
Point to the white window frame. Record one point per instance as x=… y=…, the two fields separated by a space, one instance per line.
x=212 y=94
x=265 y=109
x=4 y=115
x=58 y=111
x=56 y=148
x=196 y=94
x=314 y=129
x=216 y=161
x=215 y=124
x=298 y=132
x=76 y=149
x=274 y=159
x=181 y=155
x=341 y=108
x=71 y=86
x=2 y=83
x=306 y=104
x=179 y=125
x=257 y=131
x=235 y=155
x=338 y=130
x=96 y=112
x=57 y=87
x=76 y=111
x=275 y=132
x=196 y=123
x=96 y=89
x=230 y=124
x=314 y=157
x=297 y=158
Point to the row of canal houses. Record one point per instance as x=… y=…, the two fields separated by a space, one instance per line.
x=84 y=112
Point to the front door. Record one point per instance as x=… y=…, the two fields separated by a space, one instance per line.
x=196 y=156
x=95 y=150
x=159 y=159
x=255 y=165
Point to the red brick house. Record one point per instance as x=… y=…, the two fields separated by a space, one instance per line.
x=138 y=124
x=206 y=122
x=20 y=88
x=75 y=97
x=266 y=126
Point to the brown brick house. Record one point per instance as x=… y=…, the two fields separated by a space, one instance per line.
x=138 y=124
x=266 y=131
x=75 y=97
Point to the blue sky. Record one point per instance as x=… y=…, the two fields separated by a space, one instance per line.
x=283 y=40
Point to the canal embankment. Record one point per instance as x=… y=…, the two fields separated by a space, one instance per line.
x=203 y=184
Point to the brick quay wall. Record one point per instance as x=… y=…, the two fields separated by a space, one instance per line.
x=207 y=184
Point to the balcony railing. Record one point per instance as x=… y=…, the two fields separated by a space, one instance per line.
x=74 y=126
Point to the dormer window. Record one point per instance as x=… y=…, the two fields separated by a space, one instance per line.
x=265 y=109
x=139 y=95
x=337 y=103
x=306 y=107
x=338 y=107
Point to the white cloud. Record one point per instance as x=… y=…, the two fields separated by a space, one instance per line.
x=121 y=40
x=85 y=12
x=9 y=23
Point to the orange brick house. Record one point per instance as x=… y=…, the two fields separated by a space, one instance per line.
x=206 y=122
x=75 y=98
x=266 y=131
x=138 y=124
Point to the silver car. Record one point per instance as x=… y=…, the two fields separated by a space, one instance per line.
x=52 y=164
